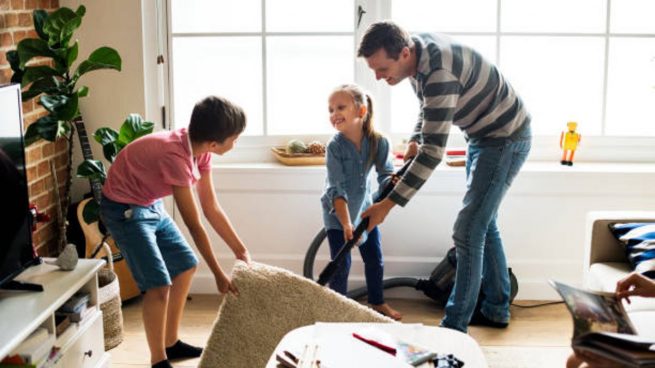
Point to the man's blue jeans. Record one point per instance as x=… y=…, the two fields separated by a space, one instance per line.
x=491 y=166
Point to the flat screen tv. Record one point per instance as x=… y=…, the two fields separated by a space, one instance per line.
x=16 y=251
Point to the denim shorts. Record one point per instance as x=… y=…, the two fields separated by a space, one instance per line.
x=151 y=243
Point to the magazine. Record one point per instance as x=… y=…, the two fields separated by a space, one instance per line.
x=602 y=326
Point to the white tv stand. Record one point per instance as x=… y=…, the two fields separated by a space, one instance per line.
x=22 y=312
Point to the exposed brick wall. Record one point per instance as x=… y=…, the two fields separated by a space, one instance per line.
x=15 y=25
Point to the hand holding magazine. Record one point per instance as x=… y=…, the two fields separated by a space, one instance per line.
x=601 y=326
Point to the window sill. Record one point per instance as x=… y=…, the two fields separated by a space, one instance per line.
x=535 y=179
x=535 y=167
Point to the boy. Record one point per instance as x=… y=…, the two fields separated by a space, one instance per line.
x=161 y=261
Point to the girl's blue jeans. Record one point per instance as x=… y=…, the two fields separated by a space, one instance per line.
x=371 y=252
x=492 y=165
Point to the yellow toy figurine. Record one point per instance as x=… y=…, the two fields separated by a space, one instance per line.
x=568 y=141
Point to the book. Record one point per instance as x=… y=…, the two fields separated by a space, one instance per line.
x=601 y=326
x=33 y=341
x=413 y=354
x=62 y=323
x=76 y=316
x=76 y=303
x=36 y=347
x=456 y=157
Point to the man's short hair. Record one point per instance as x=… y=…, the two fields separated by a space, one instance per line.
x=387 y=35
x=214 y=119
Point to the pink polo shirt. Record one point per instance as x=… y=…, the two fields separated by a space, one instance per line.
x=148 y=168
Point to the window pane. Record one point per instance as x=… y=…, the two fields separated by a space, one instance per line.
x=225 y=66
x=445 y=15
x=216 y=16
x=632 y=16
x=560 y=79
x=581 y=16
x=310 y=16
x=485 y=45
x=405 y=105
x=631 y=87
x=301 y=73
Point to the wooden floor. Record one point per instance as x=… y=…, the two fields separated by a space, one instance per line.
x=539 y=334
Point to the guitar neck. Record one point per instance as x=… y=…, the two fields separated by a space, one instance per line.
x=87 y=153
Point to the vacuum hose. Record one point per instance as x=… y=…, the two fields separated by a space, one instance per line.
x=333 y=266
x=437 y=287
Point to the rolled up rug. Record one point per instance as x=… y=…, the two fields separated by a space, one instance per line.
x=272 y=302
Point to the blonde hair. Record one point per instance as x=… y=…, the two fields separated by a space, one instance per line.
x=361 y=98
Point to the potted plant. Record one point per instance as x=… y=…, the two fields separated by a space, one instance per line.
x=57 y=85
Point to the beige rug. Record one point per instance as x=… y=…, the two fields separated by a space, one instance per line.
x=272 y=302
x=525 y=356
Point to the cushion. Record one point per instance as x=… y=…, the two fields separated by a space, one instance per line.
x=603 y=276
x=272 y=302
x=639 y=241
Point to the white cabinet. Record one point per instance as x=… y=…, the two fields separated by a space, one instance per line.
x=22 y=312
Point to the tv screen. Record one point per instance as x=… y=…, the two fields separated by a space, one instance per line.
x=16 y=251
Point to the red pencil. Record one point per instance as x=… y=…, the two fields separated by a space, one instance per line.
x=389 y=349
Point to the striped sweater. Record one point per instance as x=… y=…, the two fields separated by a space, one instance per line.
x=455 y=86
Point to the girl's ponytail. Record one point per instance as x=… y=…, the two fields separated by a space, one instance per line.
x=369 y=131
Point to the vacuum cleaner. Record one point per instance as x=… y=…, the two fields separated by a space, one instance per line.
x=437 y=287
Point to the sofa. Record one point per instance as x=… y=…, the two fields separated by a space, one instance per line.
x=605 y=263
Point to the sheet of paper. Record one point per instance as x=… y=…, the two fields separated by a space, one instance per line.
x=338 y=348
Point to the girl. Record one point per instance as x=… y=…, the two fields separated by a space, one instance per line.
x=350 y=155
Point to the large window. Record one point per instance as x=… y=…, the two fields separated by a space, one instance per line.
x=590 y=61
x=278 y=59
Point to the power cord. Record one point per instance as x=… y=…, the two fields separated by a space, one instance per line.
x=537 y=305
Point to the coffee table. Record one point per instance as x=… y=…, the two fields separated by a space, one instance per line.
x=338 y=348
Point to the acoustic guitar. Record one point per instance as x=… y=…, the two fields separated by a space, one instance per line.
x=93 y=236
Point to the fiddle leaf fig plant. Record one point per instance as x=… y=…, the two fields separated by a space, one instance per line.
x=112 y=142
x=55 y=82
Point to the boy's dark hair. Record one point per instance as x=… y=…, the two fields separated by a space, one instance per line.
x=215 y=119
x=387 y=35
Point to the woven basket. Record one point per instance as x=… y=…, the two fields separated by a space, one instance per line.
x=297 y=159
x=110 y=303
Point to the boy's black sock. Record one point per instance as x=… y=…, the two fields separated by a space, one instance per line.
x=479 y=319
x=181 y=350
x=163 y=364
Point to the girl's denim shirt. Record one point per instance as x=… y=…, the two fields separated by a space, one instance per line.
x=347 y=177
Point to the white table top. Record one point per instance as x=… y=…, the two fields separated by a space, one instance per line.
x=338 y=348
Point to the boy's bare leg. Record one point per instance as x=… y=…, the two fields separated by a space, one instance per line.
x=176 y=303
x=155 y=303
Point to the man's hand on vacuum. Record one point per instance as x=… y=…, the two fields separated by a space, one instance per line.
x=378 y=212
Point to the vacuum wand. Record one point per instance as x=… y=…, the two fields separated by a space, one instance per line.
x=331 y=268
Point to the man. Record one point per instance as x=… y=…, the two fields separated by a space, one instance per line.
x=455 y=85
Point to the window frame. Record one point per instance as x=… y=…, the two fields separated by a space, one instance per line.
x=603 y=148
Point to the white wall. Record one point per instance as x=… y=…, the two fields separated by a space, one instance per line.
x=276 y=211
x=113 y=95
